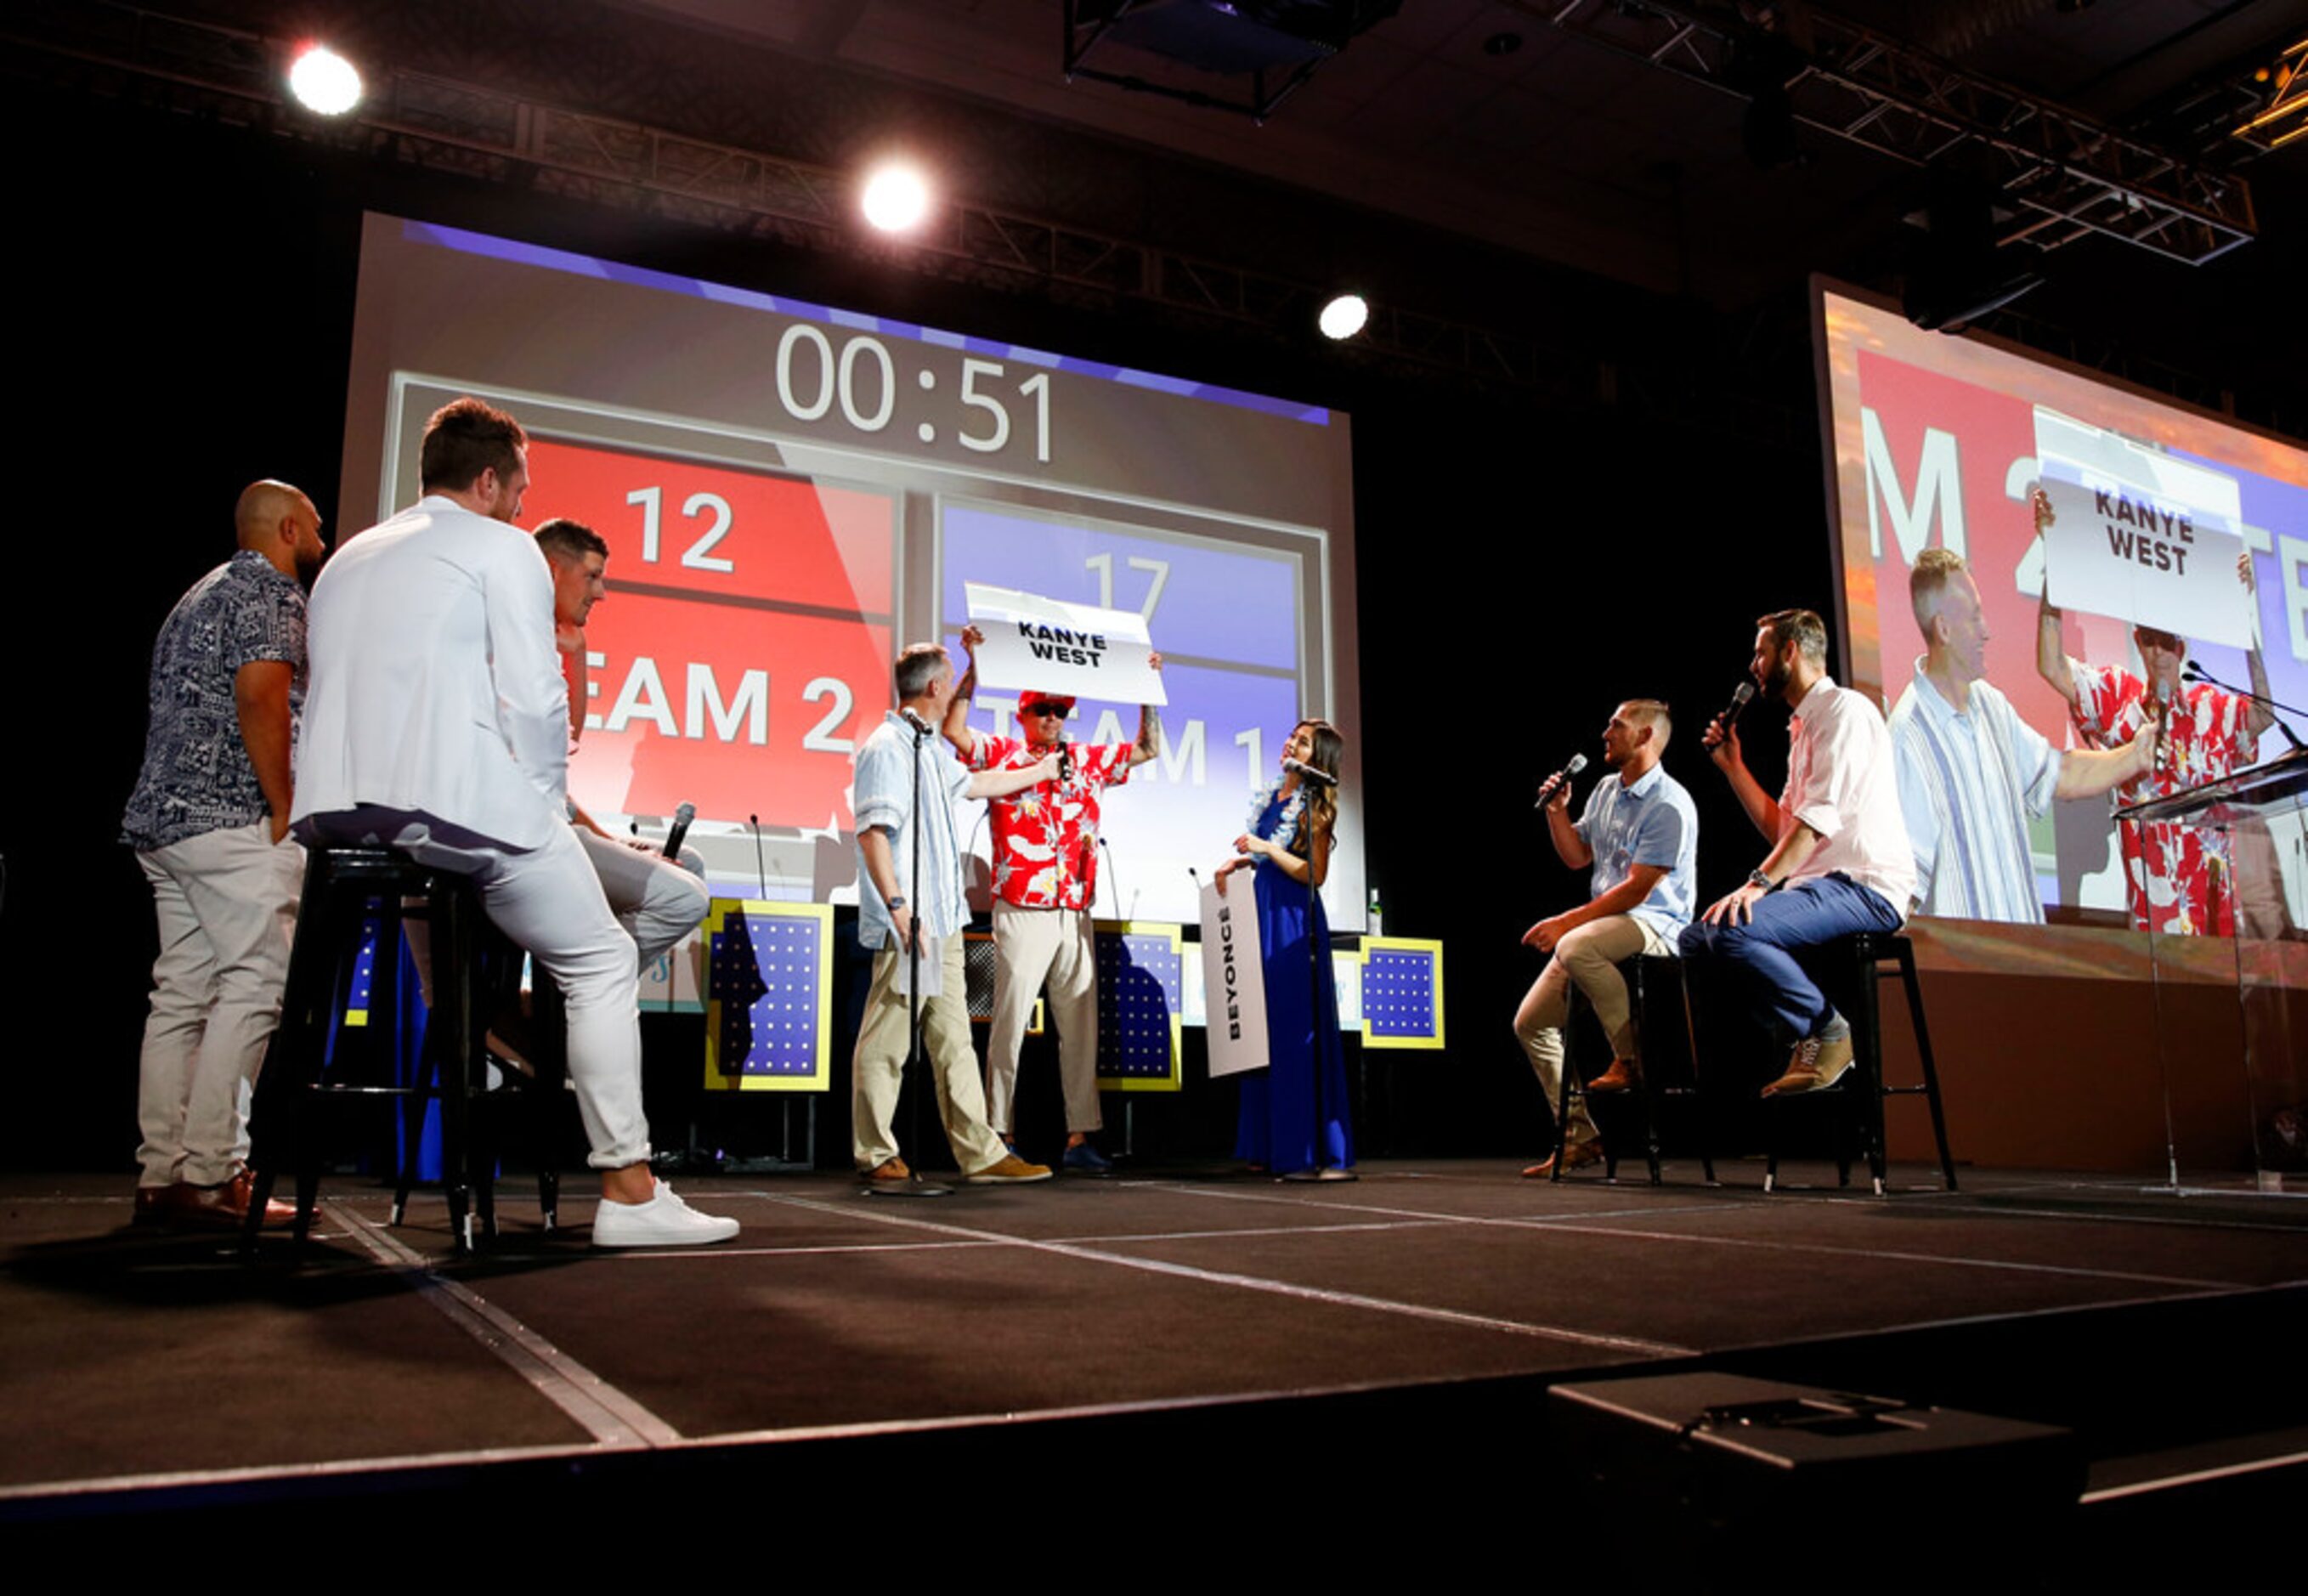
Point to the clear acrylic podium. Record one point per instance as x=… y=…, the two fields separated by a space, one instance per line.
x=2263 y=812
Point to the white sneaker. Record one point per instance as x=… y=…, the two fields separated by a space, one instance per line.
x=663 y=1221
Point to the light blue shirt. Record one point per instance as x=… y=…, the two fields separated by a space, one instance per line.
x=882 y=795
x=1968 y=783
x=1650 y=823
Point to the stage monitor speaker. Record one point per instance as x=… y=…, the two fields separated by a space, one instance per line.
x=1708 y=1472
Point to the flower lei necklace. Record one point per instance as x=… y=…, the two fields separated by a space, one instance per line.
x=1286 y=825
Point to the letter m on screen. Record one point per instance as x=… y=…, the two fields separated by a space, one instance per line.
x=1937 y=491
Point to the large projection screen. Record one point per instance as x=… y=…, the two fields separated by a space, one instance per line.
x=792 y=491
x=1934 y=441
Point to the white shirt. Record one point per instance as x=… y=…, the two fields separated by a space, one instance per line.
x=435 y=688
x=1842 y=784
x=1968 y=783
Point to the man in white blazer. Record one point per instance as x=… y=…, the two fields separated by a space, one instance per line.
x=436 y=722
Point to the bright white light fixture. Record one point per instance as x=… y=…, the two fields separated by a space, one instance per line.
x=896 y=197
x=1344 y=316
x=323 y=80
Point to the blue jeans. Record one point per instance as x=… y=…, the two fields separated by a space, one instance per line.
x=1819 y=909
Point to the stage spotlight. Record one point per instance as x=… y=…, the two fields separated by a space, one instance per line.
x=323 y=80
x=1344 y=316
x=896 y=198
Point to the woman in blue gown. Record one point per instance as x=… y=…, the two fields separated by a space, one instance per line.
x=1294 y=1112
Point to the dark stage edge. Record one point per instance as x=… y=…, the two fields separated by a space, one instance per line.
x=1181 y=1313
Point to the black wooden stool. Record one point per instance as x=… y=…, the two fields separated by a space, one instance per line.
x=1864 y=956
x=1639 y=974
x=345 y=888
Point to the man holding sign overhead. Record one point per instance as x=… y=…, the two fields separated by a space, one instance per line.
x=2177 y=877
x=1045 y=884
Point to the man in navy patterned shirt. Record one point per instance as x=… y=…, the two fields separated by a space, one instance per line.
x=209 y=820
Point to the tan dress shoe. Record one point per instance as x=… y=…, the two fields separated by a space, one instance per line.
x=1815 y=1066
x=1624 y=1074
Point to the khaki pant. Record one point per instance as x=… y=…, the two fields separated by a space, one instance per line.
x=1590 y=955
x=226 y=906
x=1031 y=947
x=879 y=1065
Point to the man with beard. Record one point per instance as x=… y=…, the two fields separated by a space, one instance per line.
x=1639 y=834
x=209 y=820
x=1839 y=861
x=437 y=723
x=1045 y=882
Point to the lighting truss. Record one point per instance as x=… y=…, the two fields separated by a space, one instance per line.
x=2285 y=117
x=233 y=77
x=2069 y=177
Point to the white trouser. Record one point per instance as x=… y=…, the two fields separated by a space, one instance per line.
x=656 y=900
x=550 y=902
x=1590 y=955
x=1030 y=946
x=878 y=1067
x=226 y=906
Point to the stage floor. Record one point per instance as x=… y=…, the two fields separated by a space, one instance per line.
x=129 y=1358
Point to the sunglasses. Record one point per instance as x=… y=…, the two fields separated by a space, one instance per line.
x=1058 y=710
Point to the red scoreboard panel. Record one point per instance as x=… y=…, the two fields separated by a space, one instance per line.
x=745 y=644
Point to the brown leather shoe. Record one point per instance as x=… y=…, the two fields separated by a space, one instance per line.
x=216 y=1207
x=1011 y=1171
x=1576 y=1155
x=889 y=1172
x=1815 y=1066
x=1623 y=1073
x=148 y=1204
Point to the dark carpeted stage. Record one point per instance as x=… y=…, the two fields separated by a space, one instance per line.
x=1205 y=1315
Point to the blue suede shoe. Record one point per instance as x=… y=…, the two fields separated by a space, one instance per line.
x=1085 y=1159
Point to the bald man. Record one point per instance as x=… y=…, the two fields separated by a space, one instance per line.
x=209 y=820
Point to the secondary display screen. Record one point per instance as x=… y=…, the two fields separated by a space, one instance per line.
x=792 y=492
x=1940 y=442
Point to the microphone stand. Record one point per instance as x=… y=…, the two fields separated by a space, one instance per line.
x=914 y=1055
x=2192 y=671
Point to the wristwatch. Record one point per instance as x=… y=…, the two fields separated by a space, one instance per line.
x=1757 y=878
x=896 y=903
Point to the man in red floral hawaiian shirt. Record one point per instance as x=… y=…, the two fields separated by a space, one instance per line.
x=1045 y=882
x=2178 y=878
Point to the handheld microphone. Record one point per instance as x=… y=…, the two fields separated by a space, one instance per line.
x=1739 y=697
x=682 y=816
x=1065 y=759
x=1546 y=787
x=1309 y=774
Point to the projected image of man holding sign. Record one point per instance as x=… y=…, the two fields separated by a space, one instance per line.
x=1046 y=860
x=2151 y=558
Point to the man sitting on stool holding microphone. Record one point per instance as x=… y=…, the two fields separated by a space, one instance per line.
x=1641 y=835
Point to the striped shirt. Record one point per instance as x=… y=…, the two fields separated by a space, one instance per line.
x=1968 y=783
x=882 y=795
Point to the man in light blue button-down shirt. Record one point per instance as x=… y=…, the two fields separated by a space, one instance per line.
x=1639 y=837
x=900 y=766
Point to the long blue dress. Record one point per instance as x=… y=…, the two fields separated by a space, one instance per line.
x=1295 y=1111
